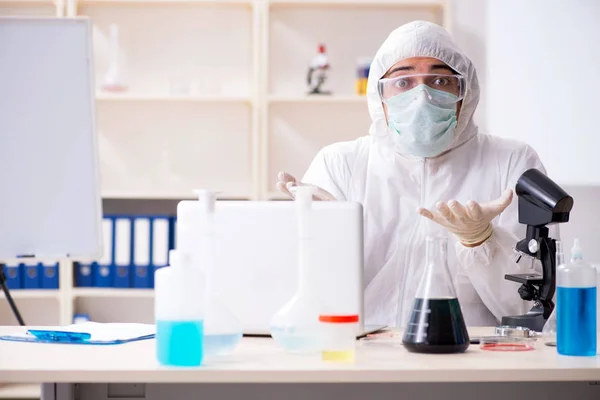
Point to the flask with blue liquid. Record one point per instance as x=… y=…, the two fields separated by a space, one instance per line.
x=196 y=234
x=576 y=306
x=179 y=311
x=295 y=327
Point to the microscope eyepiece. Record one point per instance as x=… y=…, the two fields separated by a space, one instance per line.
x=541 y=201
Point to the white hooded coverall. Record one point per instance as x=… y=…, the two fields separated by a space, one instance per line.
x=391 y=185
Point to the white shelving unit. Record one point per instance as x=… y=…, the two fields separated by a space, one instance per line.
x=46 y=294
x=245 y=117
x=103 y=97
x=20 y=391
x=42 y=8
x=295 y=126
x=113 y=293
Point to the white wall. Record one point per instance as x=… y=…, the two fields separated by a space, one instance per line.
x=469 y=28
x=541 y=64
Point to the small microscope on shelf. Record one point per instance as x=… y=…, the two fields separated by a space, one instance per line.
x=317 y=72
x=541 y=202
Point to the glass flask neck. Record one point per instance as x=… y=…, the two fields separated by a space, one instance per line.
x=303 y=207
x=436 y=252
x=436 y=282
x=303 y=265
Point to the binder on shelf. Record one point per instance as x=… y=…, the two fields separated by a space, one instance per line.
x=30 y=275
x=102 y=269
x=172 y=232
x=160 y=244
x=142 y=252
x=123 y=249
x=172 y=236
x=49 y=275
x=83 y=275
x=13 y=276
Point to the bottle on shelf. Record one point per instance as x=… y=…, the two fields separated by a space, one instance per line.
x=114 y=80
x=363 y=66
x=576 y=306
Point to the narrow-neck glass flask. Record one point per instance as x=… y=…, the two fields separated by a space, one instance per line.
x=295 y=326
x=195 y=232
x=436 y=323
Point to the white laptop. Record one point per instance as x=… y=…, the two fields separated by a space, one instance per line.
x=257 y=264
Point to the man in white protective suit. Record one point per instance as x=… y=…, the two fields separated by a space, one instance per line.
x=423 y=160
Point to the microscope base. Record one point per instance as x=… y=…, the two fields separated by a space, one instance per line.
x=532 y=320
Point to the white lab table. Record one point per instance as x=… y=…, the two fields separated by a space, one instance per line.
x=258 y=369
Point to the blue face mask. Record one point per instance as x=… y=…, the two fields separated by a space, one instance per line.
x=423 y=120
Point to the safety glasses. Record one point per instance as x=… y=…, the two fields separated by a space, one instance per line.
x=450 y=84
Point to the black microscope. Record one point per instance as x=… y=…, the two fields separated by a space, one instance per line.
x=541 y=202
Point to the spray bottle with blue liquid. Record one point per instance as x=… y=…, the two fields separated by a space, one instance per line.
x=179 y=311
x=576 y=306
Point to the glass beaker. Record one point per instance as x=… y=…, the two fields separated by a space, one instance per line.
x=195 y=231
x=295 y=326
x=436 y=323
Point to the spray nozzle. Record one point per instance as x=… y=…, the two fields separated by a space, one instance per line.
x=303 y=195
x=206 y=198
x=576 y=251
x=179 y=258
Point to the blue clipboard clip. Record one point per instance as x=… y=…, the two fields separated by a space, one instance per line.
x=60 y=336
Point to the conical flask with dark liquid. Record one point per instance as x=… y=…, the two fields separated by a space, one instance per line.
x=436 y=323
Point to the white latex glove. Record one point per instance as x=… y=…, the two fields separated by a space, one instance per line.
x=286 y=182
x=471 y=224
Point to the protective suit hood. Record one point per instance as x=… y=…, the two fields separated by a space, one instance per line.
x=423 y=39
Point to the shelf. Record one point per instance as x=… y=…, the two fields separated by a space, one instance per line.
x=367 y=3
x=20 y=391
x=171 y=196
x=27 y=2
x=114 y=293
x=277 y=196
x=158 y=98
x=32 y=294
x=168 y=2
x=319 y=99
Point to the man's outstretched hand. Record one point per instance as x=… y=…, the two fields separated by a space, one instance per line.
x=471 y=224
x=286 y=183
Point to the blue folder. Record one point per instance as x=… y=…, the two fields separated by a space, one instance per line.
x=13 y=276
x=83 y=275
x=102 y=269
x=49 y=276
x=160 y=235
x=30 y=275
x=123 y=252
x=142 y=252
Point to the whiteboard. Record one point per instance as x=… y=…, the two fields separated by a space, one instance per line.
x=50 y=205
x=542 y=61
